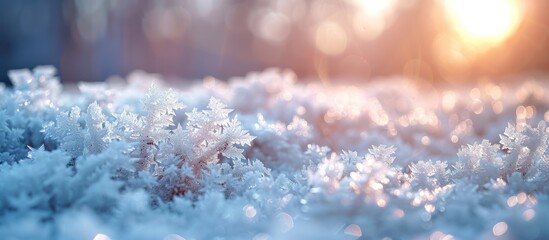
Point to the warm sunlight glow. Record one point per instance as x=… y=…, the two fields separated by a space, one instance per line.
x=372 y=19
x=330 y=38
x=485 y=21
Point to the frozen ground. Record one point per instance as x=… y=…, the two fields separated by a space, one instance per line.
x=264 y=157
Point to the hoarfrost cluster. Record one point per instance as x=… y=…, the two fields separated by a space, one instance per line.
x=263 y=157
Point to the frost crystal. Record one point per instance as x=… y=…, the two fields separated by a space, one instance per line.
x=478 y=162
x=210 y=133
x=429 y=175
x=146 y=132
x=98 y=129
x=67 y=132
x=526 y=147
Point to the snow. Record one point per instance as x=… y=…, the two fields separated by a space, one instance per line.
x=264 y=157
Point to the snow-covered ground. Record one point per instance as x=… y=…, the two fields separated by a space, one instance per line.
x=264 y=157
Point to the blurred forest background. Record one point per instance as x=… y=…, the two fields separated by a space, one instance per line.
x=437 y=41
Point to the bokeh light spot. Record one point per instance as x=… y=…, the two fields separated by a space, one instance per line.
x=353 y=230
x=330 y=38
x=499 y=229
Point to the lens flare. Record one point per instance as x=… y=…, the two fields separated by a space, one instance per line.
x=484 y=21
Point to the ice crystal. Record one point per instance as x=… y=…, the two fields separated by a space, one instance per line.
x=67 y=132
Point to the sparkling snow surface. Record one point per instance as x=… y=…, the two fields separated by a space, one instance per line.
x=266 y=157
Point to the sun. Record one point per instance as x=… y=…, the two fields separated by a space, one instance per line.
x=484 y=21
